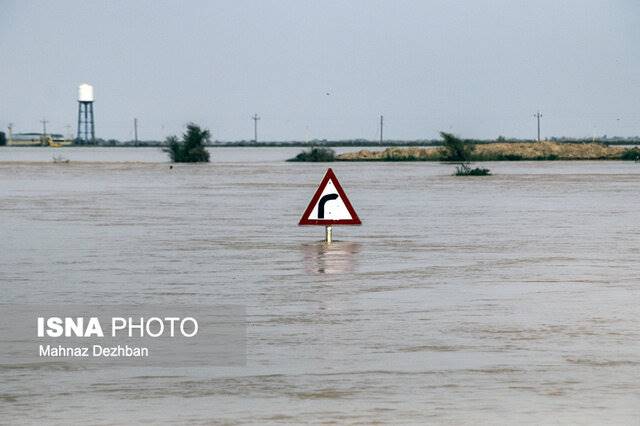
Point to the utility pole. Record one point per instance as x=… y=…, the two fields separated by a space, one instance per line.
x=381 y=128
x=255 y=119
x=10 y=126
x=44 y=127
x=538 y=115
x=135 y=131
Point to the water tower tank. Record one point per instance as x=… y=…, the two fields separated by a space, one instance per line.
x=85 y=93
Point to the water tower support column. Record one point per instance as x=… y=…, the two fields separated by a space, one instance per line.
x=86 y=125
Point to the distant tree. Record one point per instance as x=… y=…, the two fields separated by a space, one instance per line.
x=3 y=139
x=191 y=148
x=456 y=149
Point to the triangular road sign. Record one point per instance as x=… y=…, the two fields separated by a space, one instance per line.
x=330 y=205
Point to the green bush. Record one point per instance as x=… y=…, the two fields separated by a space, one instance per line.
x=548 y=157
x=509 y=157
x=315 y=155
x=632 y=154
x=191 y=148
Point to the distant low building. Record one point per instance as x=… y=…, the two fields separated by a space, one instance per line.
x=38 y=139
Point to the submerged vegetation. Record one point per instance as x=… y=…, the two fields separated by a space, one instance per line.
x=464 y=169
x=191 y=149
x=315 y=154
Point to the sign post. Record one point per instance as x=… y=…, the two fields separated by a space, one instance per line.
x=329 y=206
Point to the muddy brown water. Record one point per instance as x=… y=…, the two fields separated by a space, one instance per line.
x=510 y=298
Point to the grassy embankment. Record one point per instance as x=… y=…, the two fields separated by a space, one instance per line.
x=502 y=152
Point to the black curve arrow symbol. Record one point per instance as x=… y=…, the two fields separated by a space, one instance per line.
x=323 y=201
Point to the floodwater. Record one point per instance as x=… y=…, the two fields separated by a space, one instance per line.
x=501 y=299
x=151 y=154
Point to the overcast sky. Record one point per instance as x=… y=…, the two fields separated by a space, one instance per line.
x=324 y=69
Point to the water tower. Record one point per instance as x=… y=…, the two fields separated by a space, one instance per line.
x=86 y=127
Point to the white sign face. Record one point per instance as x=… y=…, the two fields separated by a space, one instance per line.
x=330 y=205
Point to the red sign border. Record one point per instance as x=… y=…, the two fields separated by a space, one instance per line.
x=355 y=220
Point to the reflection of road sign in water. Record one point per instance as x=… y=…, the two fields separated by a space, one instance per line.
x=330 y=205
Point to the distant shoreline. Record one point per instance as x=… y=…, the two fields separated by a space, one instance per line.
x=345 y=144
x=540 y=151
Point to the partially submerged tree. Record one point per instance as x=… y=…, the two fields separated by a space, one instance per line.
x=461 y=151
x=456 y=149
x=191 y=149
